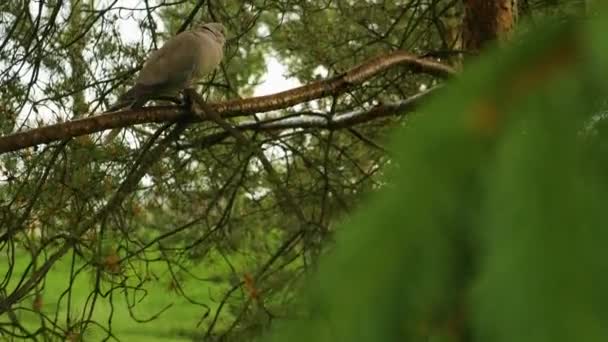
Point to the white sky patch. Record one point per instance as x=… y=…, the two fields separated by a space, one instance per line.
x=263 y=31
x=130 y=31
x=321 y=72
x=257 y=194
x=128 y=25
x=275 y=79
x=291 y=16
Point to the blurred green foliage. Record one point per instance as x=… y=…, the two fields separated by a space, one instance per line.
x=493 y=225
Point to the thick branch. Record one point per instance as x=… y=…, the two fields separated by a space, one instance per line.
x=321 y=121
x=333 y=86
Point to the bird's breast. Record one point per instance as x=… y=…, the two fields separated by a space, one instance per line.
x=210 y=56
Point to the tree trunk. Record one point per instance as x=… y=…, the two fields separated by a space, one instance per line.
x=487 y=21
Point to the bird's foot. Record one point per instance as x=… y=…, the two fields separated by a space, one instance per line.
x=189 y=103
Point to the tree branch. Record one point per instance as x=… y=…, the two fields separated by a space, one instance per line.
x=232 y=108
x=320 y=121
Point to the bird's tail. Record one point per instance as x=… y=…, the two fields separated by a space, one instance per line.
x=133 y=98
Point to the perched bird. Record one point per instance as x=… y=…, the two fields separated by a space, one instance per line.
x=182 y=60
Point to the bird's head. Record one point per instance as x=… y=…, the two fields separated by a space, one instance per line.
x=218 y=30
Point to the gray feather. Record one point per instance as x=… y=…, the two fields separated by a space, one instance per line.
x=183 y=59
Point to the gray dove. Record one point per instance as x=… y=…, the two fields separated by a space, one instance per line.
x=182 y=60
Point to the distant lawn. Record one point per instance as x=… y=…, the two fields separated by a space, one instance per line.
x=177 y=323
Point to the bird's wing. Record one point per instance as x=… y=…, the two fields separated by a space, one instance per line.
x=173 y=65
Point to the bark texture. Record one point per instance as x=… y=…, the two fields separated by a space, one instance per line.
x=487 y=21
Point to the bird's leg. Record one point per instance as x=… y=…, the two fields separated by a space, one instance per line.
x=188 y=102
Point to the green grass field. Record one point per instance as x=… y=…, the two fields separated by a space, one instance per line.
x=177 y=323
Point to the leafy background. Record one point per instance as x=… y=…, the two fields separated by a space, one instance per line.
x=484 y=217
